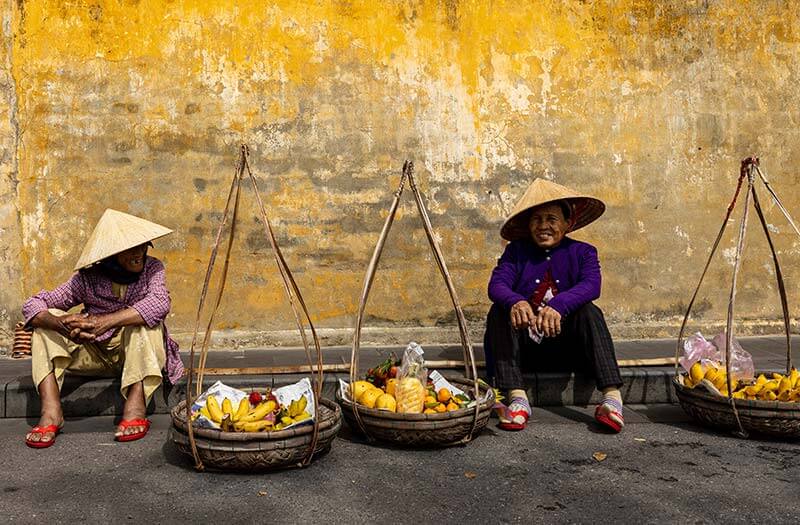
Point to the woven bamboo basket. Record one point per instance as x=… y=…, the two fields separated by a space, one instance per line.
x=253 y=451
x=421 y=430
x=257 y=451
x=773 y=418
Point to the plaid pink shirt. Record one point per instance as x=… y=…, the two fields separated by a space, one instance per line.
x=148 y=296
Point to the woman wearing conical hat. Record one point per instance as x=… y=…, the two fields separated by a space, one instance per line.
x=120 y=331
x=542 y=317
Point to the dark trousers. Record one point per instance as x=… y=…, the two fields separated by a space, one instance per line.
x=584 y=346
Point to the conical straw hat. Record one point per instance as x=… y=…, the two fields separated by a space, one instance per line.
x=585 y=209
x=116 y=232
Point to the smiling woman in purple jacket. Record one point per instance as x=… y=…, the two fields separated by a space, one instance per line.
x=543 y=317
x=119 y=331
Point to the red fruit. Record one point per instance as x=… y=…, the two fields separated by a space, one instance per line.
x=393 y=372
x=255 y=398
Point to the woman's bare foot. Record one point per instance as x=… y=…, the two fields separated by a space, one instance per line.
x=134 y=409
x=51 y=413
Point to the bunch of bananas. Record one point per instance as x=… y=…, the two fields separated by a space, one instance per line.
x=779 y=387
x=246 y=418
x=294 y=413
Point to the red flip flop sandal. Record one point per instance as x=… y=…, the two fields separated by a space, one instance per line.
x=41 y=431
x=519 y=407
x=609 y=417
x=127 y=423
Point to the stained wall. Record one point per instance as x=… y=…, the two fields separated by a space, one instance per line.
x=141 y=106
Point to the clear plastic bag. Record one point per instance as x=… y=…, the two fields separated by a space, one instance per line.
x=413 y=364
x=741 y=361
x=697 y=348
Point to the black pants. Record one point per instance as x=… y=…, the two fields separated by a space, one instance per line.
x=584 y=346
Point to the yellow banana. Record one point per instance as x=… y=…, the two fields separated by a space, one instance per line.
x=753 y=390
x=256 y=426
x=761 y=379
x=771 y=386
x=777 y=376
x=213 y=409
x=227 y=406
x=204 y=412
x=244 y=408
x=302 y=417
x=794 y=375
x=770 y=396
x=784 y=385
x=286 y=420
x=785 y=396
x=292 y=410
x=302 y=403
x=259 y=412
x=696 y=372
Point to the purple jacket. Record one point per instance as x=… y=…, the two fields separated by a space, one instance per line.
x=573 y=264
x=148 y=296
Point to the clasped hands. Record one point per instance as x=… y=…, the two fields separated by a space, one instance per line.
x=84 y=327
x=546 y=322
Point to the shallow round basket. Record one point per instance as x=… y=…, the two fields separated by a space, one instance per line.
x=256 y=451
x=420 y=430
x=772 y=418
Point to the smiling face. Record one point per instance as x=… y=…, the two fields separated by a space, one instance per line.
x=132 y=259
x=548 y=225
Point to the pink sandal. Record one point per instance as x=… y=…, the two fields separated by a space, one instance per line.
x=609 y=415
x=519 y=407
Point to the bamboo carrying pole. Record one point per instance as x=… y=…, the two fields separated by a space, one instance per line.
x=290 y=287
x=469 y=358
x=749 y=169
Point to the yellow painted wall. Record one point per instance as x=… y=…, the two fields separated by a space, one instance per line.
x=141 y=105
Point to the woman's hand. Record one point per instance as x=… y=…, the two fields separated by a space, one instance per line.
x=548 y=322
x=522 y=315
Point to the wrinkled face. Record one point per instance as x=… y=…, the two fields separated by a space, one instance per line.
x=132 y=259
x=548 y=225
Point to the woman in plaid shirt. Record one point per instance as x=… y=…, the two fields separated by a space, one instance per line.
x=119 y=332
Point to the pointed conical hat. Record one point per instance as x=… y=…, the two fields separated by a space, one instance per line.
x=116 y=232
x=585 y=209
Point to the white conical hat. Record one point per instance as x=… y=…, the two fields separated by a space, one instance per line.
x=585 y=209
x=116 y=232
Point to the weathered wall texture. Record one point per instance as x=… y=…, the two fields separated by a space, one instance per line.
x=140 y=106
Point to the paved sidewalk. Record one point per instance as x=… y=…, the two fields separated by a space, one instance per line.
x=642 y=385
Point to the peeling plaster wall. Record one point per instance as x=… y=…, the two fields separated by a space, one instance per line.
x=141 y=105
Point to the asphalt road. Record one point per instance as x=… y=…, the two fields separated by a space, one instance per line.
x=661 y=469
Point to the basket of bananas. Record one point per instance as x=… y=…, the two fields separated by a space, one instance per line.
x=259 y=430
x=225 y=428
x=396 y=403
x=770 y=403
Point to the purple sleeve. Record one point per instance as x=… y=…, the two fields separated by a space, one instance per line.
x=155 y=306
x=64 y=297
x=587 y=287
x=504 y=277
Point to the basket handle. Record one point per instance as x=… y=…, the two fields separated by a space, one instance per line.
x=290 y=287
x=469 y=358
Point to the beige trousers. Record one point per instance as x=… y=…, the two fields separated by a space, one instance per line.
x=134 y=353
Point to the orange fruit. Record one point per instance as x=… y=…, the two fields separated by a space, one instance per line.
x=452 y=406
x=429 y=411
x=443 y=395
x=441 y=407
x=430 y=399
